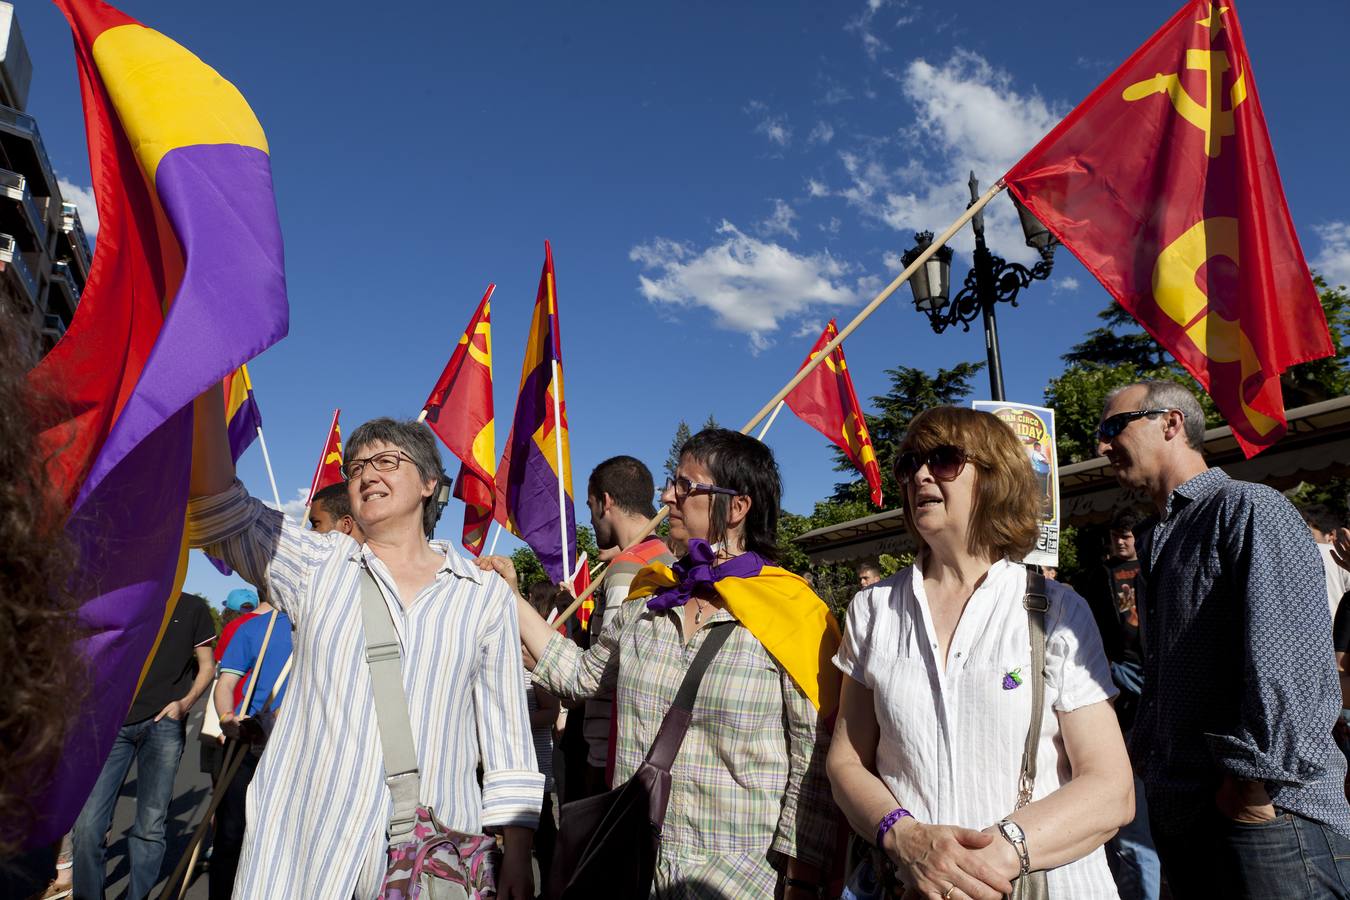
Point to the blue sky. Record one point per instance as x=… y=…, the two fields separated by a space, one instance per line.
x=717 y=179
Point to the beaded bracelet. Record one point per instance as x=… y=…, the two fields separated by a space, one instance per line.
x=888 y=822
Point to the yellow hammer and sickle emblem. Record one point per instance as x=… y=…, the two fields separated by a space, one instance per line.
x=1210 y=117
x=1183 y=300
x=483 y=355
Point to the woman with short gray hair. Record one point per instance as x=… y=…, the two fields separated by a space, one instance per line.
x=319 y=806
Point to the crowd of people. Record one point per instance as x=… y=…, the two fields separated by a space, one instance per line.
x=1171 y=724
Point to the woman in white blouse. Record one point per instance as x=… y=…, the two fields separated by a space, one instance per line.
x=935 y=711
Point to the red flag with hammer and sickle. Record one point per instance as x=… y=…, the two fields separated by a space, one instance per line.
x=459 y=410
x=1163 y=183
x=826 y=401
x=329 y=469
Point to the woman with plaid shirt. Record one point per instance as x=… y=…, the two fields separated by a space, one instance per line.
x=750 y=811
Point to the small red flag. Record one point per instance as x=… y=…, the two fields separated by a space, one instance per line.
x=826 y=401
x=581 y=580
x=459 y=410
x=1163 y=183
x=329 y=470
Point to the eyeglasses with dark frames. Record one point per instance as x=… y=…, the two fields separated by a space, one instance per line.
x=683 y=487
x=1112 y=426
x=387 y=461
x=944 y=463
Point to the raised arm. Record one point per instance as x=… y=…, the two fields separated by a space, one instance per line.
x=212 y=465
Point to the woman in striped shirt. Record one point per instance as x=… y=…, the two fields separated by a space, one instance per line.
x=936 y=701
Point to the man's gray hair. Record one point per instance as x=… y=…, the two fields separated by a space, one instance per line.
x=1170 y=395
x=413 y=438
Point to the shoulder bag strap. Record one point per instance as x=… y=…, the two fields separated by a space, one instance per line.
x=1037 y=603
x=676 y=723
x=391 y=708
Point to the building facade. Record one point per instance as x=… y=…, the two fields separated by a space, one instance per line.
x=44 y=253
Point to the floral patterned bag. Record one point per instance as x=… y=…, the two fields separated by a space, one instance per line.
x=440 y=864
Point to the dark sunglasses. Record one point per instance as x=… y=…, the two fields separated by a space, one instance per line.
x=1112 y=426
x=944 y=463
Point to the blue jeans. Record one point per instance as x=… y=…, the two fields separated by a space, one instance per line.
x=1131 y=856
x=157 y=748
x=1289 y=857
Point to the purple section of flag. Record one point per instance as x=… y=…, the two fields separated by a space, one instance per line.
x=243 y=427
x=531 y=484
x=231 y=304
x=128 y=535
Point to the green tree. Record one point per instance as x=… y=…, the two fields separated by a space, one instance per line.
x=530 y=571
x=682 y=436
x=1323 y=379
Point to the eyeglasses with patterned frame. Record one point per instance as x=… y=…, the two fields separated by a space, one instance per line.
x=683 y=487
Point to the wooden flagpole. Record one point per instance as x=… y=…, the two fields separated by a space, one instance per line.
x=562 y=489
x=820 y=357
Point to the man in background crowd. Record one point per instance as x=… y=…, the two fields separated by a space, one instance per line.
x=1112 y=592
x=619 y=496
x=868 y=575
x=331 y=510
x=153 y=735
x=1322 y=524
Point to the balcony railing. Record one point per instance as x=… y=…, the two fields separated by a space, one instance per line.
x=15 y=186
x=53 y=327
x=25 y=126
x=12 y=259
x=64 y=280
x=74 y=231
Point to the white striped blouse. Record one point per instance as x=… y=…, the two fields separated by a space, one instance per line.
x=951 y=739
x=318 y=807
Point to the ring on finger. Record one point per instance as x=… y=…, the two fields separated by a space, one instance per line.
x=946 y=895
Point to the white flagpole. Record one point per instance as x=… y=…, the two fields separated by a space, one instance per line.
x=562 y=490
x=267 y=460
x=496 y=533
x=769 y=424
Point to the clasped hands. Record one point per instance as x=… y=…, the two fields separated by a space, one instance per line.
x=958 y=863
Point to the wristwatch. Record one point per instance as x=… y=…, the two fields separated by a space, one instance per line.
x=1013 y=834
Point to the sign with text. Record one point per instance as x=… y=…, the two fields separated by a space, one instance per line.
x=1035 y=428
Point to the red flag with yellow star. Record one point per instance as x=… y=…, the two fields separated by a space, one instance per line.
x=459 y=410
x=329 y=470
x=1163 y=183
x=826 y=401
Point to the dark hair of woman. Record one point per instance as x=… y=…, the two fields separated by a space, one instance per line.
x=39 y=625
x=747 y=466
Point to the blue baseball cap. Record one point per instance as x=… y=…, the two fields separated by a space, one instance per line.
x=242 y=600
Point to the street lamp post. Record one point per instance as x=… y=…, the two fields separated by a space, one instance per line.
x=990 y=280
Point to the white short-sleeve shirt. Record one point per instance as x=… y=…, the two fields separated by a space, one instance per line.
x=950 y=744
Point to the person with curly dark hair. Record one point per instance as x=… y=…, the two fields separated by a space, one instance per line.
x=38 y=620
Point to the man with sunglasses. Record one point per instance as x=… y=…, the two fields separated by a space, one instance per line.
x=1232 y=738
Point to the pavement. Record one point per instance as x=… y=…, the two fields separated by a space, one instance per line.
x=191 y=794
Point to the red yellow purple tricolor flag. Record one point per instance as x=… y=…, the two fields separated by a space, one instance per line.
x=1163 y=183
x=534 y=479
x=465 y=389
x=826 y=401
x=187 y=284
x=242 y=416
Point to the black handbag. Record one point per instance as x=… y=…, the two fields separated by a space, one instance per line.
x=607 y=844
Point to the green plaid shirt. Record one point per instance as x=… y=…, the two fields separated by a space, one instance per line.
x=749 y=784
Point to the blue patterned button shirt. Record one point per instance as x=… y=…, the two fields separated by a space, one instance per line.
x=1239 y=675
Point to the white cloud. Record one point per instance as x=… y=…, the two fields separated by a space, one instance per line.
x=751 y=286
x=967 y=116
x=83 y=198
x=809 y=328
x=832 y=226
x=865 y=23
x=294 y=508
x=779 y=221
x=816 y=188
x=1064 y=284
x=822 y=133
x=772 y=126
x=1332 y=262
